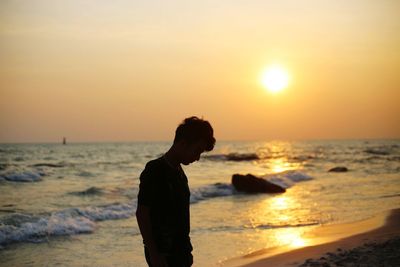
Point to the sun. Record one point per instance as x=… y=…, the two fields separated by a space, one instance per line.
x=275 y=78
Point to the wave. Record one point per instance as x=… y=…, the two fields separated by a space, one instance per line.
x=31 y=228
x=26 y=176
x=303 y=157
x=389 y=196
x=383 y=150
x=20 y=227
x=254 y=156
x=52 y=165
x=224 y=228
x=377 y=151
x=211 y=191
x=88 y=192
x=233 y=157
x=19 y=159
x=274 y=226
x=394 y=158
x=377 y=159
x=86 y=174
x=3 y=166
x=287 y=179
x=284 y=179
x=107 y=212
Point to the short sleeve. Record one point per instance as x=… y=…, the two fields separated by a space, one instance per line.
x=147 y=186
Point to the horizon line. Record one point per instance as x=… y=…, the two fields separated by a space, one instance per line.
x=221 y=140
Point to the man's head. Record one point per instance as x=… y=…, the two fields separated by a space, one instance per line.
x=194 y=136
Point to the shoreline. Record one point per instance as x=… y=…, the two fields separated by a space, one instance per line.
x=325 y=240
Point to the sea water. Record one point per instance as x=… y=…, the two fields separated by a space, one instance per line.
x=74 y=204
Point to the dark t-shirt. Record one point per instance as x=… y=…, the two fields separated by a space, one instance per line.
x=166 y=192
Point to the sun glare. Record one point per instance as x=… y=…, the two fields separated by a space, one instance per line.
x=275 y=78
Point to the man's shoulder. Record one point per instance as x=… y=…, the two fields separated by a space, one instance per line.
x=155 y=164
x=154 y=167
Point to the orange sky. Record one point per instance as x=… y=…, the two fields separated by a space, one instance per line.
x=132 y=70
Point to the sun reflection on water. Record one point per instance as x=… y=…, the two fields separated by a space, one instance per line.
x=276 y=157
x=280 y=203
x=282 y=164
x=292 y=237
x=282 y=220
x=285 y=209
x=286 y=219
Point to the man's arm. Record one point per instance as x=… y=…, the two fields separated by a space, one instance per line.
x=143 y=219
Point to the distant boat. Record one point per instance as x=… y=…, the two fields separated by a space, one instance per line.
x=64 y=141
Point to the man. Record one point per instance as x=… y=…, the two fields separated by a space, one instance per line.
x=163 y=200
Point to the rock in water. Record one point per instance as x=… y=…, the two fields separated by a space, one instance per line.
x=339 y=169
x=252 y=184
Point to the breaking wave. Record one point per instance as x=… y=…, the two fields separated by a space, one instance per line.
x=283 y=179
x=20 y=227
x=211 y=191
x=30 y=228
x=288 y=178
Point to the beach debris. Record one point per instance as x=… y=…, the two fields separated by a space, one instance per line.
x=251 y=184
x=339 y=169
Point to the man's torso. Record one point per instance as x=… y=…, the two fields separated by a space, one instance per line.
x=169 y=205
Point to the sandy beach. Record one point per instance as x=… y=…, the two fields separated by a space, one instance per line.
x=373 y=242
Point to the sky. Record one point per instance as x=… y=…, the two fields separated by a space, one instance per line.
x=133 y=70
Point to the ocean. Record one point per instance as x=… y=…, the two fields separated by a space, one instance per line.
x=74 y=204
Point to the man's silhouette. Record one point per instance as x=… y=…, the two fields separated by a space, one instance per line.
x=163 y=199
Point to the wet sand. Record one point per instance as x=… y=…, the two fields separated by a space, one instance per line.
x=365 y=243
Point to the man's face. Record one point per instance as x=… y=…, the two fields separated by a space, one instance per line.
x=192 y=151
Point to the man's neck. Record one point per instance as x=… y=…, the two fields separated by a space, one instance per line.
x=172 y=158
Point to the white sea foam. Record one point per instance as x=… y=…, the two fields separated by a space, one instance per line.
x=211 y=191
x=287 y=179
x=35 y=229
x=284 y=179
x=109 y=212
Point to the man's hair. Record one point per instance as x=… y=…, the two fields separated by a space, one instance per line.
x=194 y=129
